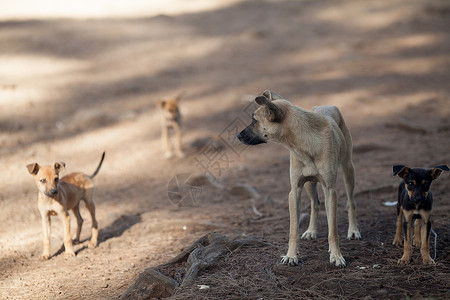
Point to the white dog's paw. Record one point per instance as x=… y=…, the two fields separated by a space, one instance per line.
x=309 y=235
x=181 y=155
x=289 y=260
x=353 y=234
x=168 y=154
x=338 y=260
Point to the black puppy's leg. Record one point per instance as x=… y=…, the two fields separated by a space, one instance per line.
x=417 y=231
x=399 y=228
x=426 y=228
x=407 y=245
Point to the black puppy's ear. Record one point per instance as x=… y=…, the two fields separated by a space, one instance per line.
x=33 y=168
x=401 y=171
x=59 y=166
x=274 y=113
x=436 y=171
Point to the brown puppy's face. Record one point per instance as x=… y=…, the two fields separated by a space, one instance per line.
x=47 y=178
x=266 y=124
x=170 y=108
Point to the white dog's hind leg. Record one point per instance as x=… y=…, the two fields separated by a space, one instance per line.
x=311 y=190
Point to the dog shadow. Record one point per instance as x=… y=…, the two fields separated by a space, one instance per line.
x=115 y=229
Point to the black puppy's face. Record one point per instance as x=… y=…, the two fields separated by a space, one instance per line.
x=418 y=180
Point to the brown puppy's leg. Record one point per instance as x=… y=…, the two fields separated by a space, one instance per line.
x=426 y=228
x=91 y=207
x=165 y=142
x=76 y=212
x=65 y=218
x=417 y=230
x=178 y=150
x=407 y=245
x=46 y=230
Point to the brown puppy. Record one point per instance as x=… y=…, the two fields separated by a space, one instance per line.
x=57 y=197
x=319 y=143
x=171 y=119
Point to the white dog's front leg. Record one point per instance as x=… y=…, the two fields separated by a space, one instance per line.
x=294 y=207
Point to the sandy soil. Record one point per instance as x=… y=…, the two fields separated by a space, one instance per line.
x=72 y=88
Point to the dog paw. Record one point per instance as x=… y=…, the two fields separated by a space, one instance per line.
x=353 y=235
x=403 y=261
x=397 y=242
x=290 y=261
x=309 y=235
x=69 y=254
x=417 y=244
x=168 y=155
x=92 y=245
x=76 y=241
x=428 y=261
x=337 y=260
x=44 y=257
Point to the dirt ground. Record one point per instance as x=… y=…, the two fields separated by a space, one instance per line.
x=72 y=88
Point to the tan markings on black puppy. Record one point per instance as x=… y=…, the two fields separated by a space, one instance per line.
x=425 y=238
x=406 y=258
x=319 y=143
x=399 y=229
x=417 y=232
x=57 y=196
x=171 y=120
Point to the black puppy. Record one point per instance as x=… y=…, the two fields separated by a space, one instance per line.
x=415 y=202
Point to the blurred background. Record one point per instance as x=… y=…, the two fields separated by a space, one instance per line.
x=81 y=77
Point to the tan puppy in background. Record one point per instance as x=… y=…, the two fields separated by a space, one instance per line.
x=171 y=119
x=319 y=143
x=58 y=196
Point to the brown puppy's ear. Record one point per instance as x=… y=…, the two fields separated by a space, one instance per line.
x=161 y=103
x=33 y=168
x=274 y=114
x=401 y=171
x=59 y=166
x=436 y=171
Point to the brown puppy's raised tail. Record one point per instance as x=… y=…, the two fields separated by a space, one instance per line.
x=99 y=166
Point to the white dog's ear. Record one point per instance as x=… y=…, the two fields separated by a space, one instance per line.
x=33 y=168
x=59 y=166
x=267 y=94
x=271 y=96
x=273 y=112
